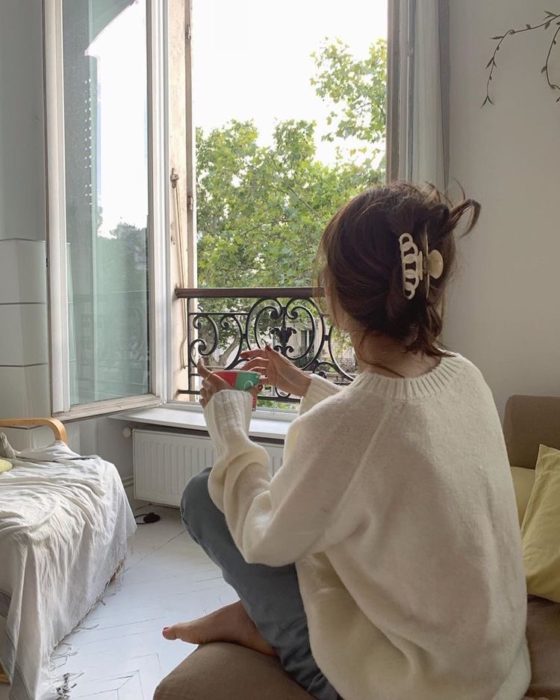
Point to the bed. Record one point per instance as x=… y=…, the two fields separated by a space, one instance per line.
x=64 y=525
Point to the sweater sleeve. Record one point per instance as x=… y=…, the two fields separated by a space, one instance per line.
x=275 y=520
x=318 y=390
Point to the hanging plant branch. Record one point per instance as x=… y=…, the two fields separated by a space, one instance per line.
x=545 y=69
x=551 y=19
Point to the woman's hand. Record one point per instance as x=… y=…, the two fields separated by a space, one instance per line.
x=211 y=383
x=277 y=370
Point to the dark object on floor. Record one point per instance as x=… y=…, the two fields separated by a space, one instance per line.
x=147 y=518
x=63 y=691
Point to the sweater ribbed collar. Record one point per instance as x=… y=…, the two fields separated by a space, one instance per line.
x=408 y=388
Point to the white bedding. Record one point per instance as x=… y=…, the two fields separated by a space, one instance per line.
x=64 y=525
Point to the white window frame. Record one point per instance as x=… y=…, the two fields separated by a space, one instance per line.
x=399 y=13
x=159 y=295
x=192 y=261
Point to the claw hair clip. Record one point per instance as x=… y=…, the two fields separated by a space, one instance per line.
x=417 y=264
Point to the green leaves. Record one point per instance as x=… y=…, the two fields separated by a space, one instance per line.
x=261 y=209
x=355 y=88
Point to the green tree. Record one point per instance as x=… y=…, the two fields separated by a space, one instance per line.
x=356 y=90
x=261 y=208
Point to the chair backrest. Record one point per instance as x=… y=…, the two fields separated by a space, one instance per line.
x=528 y=422
x=58 y=429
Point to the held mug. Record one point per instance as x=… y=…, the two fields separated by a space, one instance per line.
x=240 y=379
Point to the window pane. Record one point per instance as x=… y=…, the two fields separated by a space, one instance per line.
x=105 y=114
x=289 y=105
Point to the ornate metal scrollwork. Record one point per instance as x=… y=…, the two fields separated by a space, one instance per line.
x=291 y=323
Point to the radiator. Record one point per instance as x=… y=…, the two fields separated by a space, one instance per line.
x=164 y=463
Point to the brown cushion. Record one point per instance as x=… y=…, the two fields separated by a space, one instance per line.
x=528 y=422
x=543 y=635
x=221 y=671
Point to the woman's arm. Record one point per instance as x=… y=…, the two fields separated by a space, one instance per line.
x=278 y=520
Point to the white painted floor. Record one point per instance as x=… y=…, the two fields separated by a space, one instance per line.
x=118 y=652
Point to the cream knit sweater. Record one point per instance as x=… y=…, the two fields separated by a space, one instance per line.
x=396 y=503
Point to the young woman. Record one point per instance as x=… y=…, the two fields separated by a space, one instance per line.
x=383 y=560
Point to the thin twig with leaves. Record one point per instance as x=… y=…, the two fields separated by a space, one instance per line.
x=551 y=19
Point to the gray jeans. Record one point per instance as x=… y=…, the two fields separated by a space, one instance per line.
x=270 y=595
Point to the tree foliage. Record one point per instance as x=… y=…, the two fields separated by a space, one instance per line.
x=356 y=90
x=261 y=208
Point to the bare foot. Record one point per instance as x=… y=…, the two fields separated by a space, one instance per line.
x=228 y=624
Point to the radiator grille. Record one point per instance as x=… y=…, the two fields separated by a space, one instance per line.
x=164 y=463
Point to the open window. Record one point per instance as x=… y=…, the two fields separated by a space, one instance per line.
x=198 y=145
x=104 y=82
x=289 y=109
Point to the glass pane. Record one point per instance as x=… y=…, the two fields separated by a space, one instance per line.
x=105 y=115
x=289 y=107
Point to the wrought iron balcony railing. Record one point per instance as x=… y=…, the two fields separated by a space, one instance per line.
x=221 y=323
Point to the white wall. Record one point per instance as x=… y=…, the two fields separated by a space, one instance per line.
x=24 y=387
x=22 y=142
x=504 y=309
x=24 y=375
x=103 y=436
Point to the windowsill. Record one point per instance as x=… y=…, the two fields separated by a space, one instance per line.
x=272 y=427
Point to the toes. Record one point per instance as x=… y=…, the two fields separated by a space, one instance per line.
x=169 y=633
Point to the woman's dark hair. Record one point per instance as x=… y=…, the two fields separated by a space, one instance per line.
x=359 y=261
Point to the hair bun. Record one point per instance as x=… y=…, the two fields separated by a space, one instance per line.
x=380 y=246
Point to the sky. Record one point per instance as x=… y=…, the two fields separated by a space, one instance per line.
x=122 y=99
x=251 y=60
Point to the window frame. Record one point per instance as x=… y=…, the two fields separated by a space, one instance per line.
x=158 y=158
x=163 y=360
x=399 y=13
x=190 y=146
x=400 y=88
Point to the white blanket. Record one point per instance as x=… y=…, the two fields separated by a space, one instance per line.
x=64 y=525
